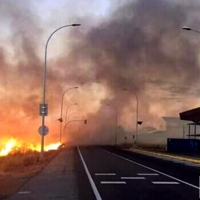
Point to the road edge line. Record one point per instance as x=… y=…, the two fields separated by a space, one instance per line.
x=94 y=188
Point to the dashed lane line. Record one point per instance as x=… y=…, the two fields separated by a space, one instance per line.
x=113 y=182
x=24 y=192
x=105 y=174
x=147 y=174
x=133 y=178
x=165 y=182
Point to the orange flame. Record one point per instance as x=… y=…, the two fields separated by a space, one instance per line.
x=52 y=146
x=13 y=145
x=8 y=147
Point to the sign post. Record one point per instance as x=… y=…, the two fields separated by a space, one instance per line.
x=43 y=130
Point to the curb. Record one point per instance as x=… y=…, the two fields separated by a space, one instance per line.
x=162 y=155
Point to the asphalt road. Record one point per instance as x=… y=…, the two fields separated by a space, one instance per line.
x=111 y=174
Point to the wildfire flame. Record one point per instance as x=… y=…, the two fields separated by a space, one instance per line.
x=13 y=145
x=52 y=146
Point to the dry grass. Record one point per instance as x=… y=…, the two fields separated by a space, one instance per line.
x=18 y=160
x=18 y=167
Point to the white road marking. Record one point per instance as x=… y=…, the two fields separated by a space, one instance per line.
x=134 y=178
x=113 y=182
x=94 y=188
x=105 y=174
x=148 y=174
x=165 y=183
x=186 y=183
x=24 y=192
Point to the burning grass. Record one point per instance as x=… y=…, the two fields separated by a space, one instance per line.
x=17 y=167
x=13 y=146
x=19 y=162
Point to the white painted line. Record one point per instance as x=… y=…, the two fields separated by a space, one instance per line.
x=113 y=182
x=186 y=183
x=94 y=188
x=105 y=174
x=165 y=182
x=24 y=192
x=148 y=174
x=133 y=178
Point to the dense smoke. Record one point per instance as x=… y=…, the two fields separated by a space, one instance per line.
x=140 y=43
x=139 y=46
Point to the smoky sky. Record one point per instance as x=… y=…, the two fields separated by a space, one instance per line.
x=138 y=45
x=140 y=42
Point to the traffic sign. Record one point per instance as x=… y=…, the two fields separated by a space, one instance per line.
x=43 y=109
x=43 y=130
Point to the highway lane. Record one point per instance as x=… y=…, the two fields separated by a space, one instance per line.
x=175 y=169
x=113 y=175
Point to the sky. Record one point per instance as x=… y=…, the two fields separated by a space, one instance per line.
x=135 y=44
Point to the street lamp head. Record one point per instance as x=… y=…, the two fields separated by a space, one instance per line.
x=76 y=24
x=186 y=28
x=60 y=120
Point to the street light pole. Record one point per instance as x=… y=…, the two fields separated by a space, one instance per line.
x=75 y=120
x=61 y=110
x=43 y=106
x=137 y=113
x=116 y=122
x=116 y=126
x=66 y=117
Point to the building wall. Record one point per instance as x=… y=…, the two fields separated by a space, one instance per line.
x=175 y=128
x=154 y=138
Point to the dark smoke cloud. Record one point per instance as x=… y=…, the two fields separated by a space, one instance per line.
x=140 y=46
x=141 y=40
x=24 y=37
x=21 y=74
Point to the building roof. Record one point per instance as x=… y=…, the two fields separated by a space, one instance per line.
x=175 y=120
x=191 y=115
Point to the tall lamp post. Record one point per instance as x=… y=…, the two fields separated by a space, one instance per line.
x=43 y=105
x=67 y=110
x=115 y=108
x=75 y=120
x=136 y=120
x=61 y=109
